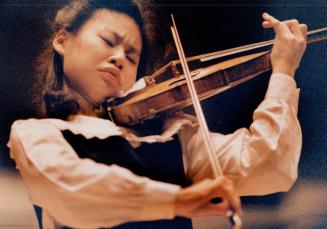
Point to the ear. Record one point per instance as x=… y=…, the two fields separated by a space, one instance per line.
x=60 y=41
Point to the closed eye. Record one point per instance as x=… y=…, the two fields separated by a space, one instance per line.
x=109 y=42
x=131 y=55
x=130 y=59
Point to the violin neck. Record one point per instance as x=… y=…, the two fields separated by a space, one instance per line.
x=171 y=69
x=313 y=36
x=317 y=35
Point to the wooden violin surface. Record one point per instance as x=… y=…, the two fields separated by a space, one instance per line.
x=173 y=94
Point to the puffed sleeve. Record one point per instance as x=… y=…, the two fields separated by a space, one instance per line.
x=262 y=159
x=79 y=192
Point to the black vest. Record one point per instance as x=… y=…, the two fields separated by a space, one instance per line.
x=162 y=162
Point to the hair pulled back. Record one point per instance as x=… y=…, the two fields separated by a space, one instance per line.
x=57 y=103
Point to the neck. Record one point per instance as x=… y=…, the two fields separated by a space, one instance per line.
x=87 y=105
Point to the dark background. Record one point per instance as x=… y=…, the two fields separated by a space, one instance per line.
x=204 y=26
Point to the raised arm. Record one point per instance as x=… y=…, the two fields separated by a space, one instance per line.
x=264 y=158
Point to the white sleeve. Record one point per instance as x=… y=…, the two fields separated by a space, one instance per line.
x=80 y=192
x=262 y=159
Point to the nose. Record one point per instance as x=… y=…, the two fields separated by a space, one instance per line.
x=115 y=62
x=117 y=58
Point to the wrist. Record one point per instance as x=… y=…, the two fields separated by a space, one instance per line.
x=177 y=203
x=284 y=70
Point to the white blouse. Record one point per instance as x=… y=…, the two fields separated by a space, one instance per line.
x=82 y=193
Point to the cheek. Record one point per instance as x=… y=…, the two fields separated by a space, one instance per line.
x=84 y=52
x=130 y=78
x=80 y=60
x=78 y=69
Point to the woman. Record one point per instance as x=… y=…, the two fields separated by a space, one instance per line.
x=96 y=51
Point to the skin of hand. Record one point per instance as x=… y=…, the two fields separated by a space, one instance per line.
x=195 y=200
x=289 y=45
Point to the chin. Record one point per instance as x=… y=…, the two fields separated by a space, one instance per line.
x=112 y=94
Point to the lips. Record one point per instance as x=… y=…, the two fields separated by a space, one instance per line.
x=111 y=72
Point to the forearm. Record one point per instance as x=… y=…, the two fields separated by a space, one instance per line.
x=79 y=192
x=262 y=159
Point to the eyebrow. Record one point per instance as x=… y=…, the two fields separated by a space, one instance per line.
x=120 y=38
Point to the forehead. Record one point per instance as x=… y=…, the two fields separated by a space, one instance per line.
x=105 y=20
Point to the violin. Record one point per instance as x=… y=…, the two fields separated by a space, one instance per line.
x=166 y=89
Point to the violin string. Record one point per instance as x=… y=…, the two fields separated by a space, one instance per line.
x=231 y=51
x=257 y=45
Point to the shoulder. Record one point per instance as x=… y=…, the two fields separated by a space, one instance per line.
x=34 y=125
x=33 y=131
x=78 y=124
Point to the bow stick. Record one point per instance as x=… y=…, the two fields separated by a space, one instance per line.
x=235 y=219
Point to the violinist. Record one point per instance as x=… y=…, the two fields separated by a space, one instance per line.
x=83 y=172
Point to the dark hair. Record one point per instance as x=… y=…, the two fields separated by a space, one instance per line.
x=57 y=102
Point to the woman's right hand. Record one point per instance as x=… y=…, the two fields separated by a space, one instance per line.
x=195 y=200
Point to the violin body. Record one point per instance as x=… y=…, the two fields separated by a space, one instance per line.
x=172 y=94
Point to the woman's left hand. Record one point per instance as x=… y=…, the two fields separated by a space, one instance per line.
x=289 y=45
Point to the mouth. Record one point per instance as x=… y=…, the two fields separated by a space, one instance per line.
x=111 y=74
